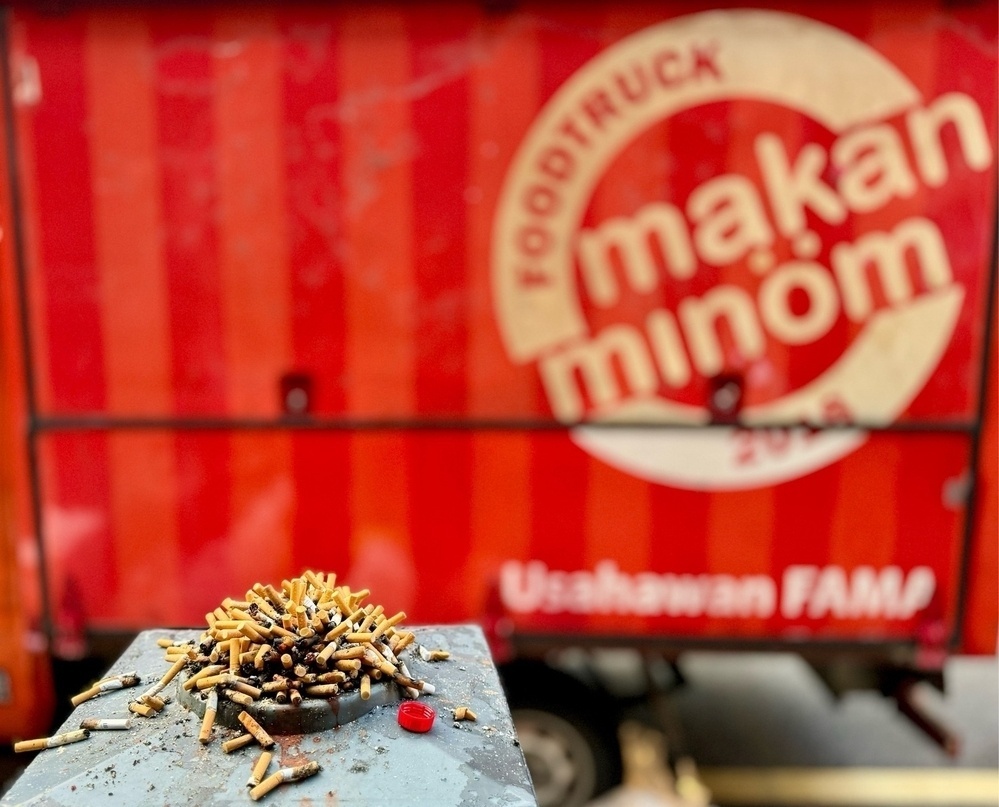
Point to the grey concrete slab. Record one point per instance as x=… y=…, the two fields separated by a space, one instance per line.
x=372 y=760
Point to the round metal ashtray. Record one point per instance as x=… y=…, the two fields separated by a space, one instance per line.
x=311 y=715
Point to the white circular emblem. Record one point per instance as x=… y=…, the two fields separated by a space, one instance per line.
x=773 y=57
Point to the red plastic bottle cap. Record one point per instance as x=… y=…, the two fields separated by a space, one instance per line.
x=416 y=716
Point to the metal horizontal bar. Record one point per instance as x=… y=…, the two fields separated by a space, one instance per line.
x=80 y=423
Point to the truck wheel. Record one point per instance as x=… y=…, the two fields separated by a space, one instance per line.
x=568 y=733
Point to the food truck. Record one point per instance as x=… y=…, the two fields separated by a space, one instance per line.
x=647 y=325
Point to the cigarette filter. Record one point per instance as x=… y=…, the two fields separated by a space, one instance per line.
x=259 y=768
x=237 y=742
x=284 y=775
x=141 y=709
x=205 y=735
x=204 y=672
x=238 y=697
x=52 y=742
x=255 y=729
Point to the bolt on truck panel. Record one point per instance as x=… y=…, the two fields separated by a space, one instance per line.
x=598 y=321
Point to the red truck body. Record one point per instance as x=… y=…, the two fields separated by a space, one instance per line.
x=593 y=322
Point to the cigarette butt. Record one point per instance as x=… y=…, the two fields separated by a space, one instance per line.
x=314 y=580
x=433 y=655
x=153 y=702
x=281 y=696
x=464 y=713
x=386 y=652
x=403 y=677
x=391 y=622
x=332 y=677
x=86 y=695
x=266 y=786
x=121 y=676
x=105 y=685
x=237 y=742
x=153 y=691
x=300 y=671
x=210 y=681
x=386 y=669
x=261 y=656
x=280 y=685
x=210 y=619
x=226 y=624
x=359 y=638
x=322 y=659
x=295 y=697
x=365 y=687
x=284 y=775
x=349 y=652
x=322 y=690
x=31 y=745
x=372 y=656
x=349 y=664
x=400 y=641
x=52 y=742
x=358 y=596
x=205 y=735
x=106 y=724
x=287 y=662
x=259 y=768
x=249 y=630
x=371 y=615
x=278 y=630
x=255 y=729
x=275 y=596
x=264 y=605
x=301 y=616
x=238 y=697
x=338 y=631
x=204 y=672
x=141 y=709
x=247 y=689
x=234 y=651
x=342 y=598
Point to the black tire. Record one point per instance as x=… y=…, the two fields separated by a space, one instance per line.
x=567 y=731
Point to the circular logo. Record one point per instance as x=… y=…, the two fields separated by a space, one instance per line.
x=559 y=278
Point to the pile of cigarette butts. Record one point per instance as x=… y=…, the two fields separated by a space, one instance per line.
x=310 y=638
